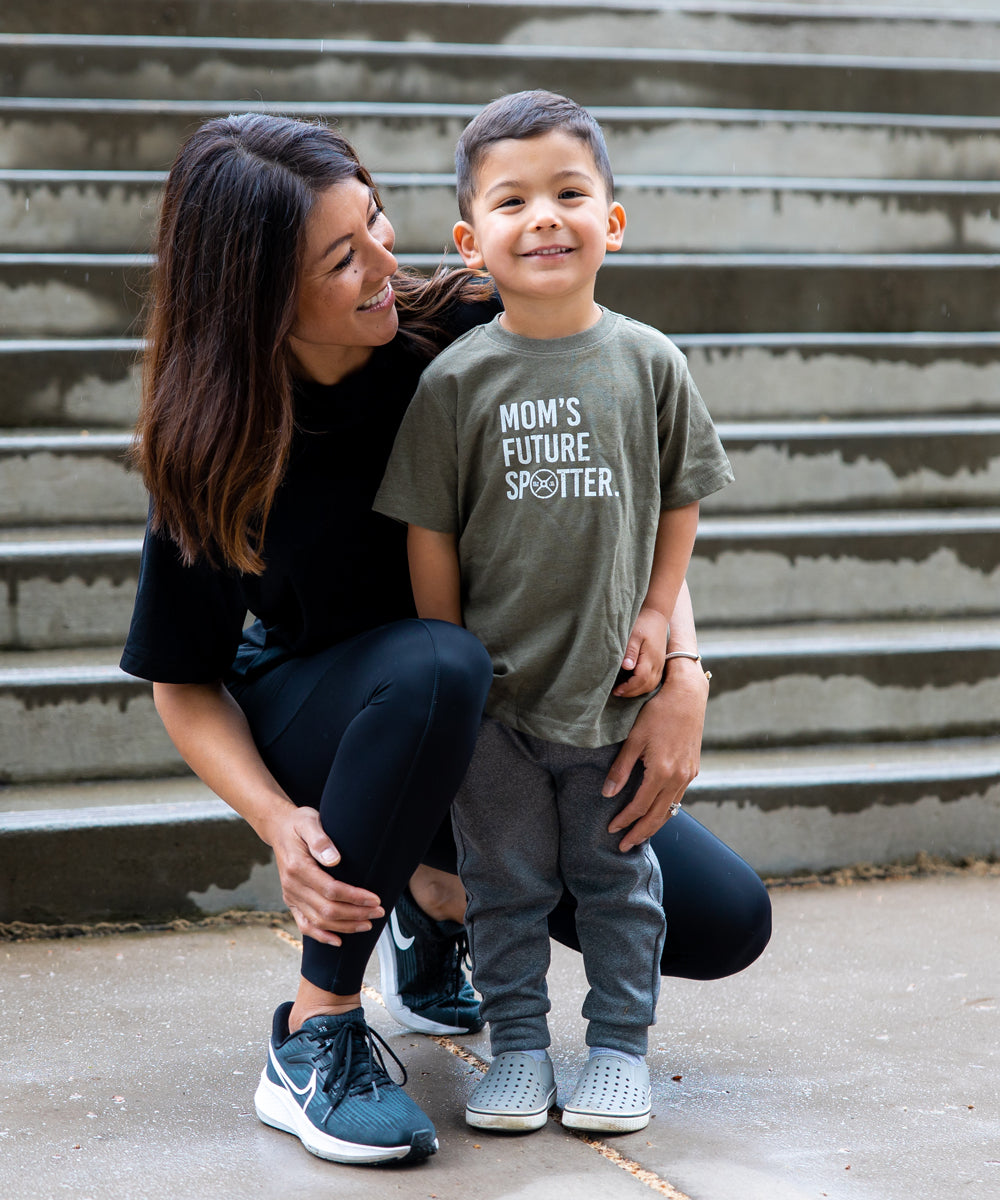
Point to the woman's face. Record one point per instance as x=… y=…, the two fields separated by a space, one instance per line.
x=346 y=304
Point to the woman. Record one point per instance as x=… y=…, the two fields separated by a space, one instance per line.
x=284 y=346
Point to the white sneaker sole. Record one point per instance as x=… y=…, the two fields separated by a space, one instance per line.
x=276 y=1107
x=394 y=1002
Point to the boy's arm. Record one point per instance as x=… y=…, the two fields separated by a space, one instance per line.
x=434 y=574
x=647 y=646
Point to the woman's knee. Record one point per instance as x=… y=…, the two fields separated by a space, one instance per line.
x=463 y=666
x=750 y=931
x=718 y=910
x=733 y=939
x=435 y=669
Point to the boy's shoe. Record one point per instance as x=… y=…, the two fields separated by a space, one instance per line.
x=612 y=1096
x=516 y=1093
x=327 y=1084
x=423 y=984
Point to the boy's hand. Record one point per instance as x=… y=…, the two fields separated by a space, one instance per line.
x=645 y=653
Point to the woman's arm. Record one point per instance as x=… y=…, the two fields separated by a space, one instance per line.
x=666 y=736
x=209 y=729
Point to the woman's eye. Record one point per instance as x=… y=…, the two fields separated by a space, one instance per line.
x=376 y=213
x=345 y=261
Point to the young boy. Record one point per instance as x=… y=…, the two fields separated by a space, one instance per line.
x=550 y=468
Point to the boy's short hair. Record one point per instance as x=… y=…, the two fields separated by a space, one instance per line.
x=525 y=115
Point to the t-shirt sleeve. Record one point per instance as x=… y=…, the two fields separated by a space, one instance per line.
x=187 y=621
x=693 y=463
x=420 y=485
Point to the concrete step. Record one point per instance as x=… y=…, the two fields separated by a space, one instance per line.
x=796 y=466
x=78 y=210
x=94 y=382
x=834 y=567
x=717 y=293
x=90 y=382
x=286 y=68
x=76 y=294
x=64 y=587
x=813 y=808
x=72 y=715
x=785 y=27
x=853 y=682
x=48 y=210
x=840 y=804
x=101 y=294
x=113 y=134
x=167 y=848
x=775 y=213
x=52 y=478
x=759 y=376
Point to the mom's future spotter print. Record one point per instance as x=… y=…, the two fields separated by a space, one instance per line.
x=532 y=440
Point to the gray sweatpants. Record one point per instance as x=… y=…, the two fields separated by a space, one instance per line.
x=530 y=820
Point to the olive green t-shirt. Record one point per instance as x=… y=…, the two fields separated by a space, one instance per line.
x=551 y=462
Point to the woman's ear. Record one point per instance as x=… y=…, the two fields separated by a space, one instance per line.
x=466 y=244
x=616 y=226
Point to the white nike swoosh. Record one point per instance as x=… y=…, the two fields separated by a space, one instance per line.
x=306 y=1092
x=404 y=943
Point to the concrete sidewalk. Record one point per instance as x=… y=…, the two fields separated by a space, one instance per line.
x=857 y=1059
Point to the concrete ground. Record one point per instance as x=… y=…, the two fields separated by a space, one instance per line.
x=859 y=1059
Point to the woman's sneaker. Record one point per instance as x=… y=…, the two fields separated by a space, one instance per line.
x=423 y=984
x=612 y=1096
x=515 y=1094
x=327 y=1084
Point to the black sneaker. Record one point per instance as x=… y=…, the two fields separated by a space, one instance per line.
x=423 y=984
x=328 y=1085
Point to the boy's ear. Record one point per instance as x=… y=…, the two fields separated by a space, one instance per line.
x=466 y=244
x=616 y=226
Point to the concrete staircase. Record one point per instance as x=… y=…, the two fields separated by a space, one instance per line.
x=812 y=216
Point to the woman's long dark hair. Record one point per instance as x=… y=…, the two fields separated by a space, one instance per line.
x=216 y=418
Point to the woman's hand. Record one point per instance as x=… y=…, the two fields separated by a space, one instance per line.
x=323 y=906
x=209 y=729
x=666 y=737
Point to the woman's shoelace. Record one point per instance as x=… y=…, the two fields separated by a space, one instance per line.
x=360 y=1071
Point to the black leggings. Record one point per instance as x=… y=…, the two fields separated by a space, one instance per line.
x=377 y=732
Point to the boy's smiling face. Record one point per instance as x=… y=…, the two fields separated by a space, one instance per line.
x=541 y=225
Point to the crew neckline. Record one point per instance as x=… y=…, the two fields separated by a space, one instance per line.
x=572 y=343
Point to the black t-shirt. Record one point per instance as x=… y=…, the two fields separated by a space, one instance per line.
x=333 y=567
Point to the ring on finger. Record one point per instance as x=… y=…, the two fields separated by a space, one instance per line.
x=675 y=808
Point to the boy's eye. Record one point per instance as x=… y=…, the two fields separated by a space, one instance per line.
x=570 y=194
x=510 y=202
